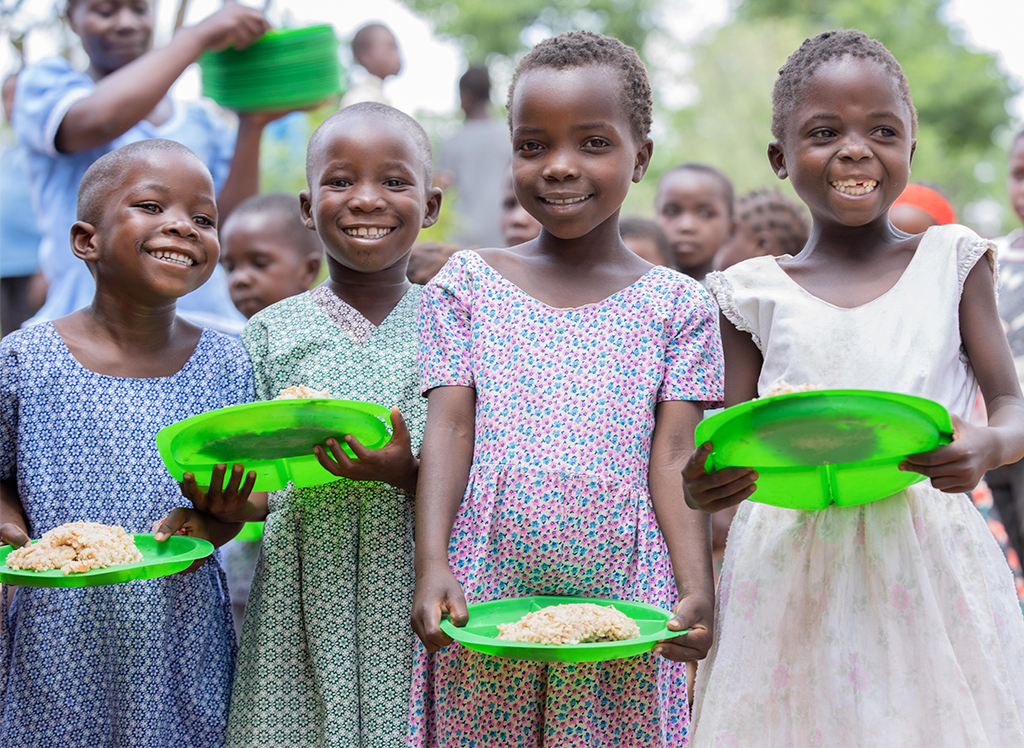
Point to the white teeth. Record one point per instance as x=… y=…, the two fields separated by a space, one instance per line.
x=854 y=186
x=176 y=257
x=565 y=201
x=370 y=233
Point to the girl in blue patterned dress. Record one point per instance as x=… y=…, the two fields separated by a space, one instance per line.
x=144 y=663
x=565 y=378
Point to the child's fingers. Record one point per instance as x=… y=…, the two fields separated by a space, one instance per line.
x=399 y=429
x=694 y=467
x=189 y=488
x=362 y=453
x=237 y=473
x=11 y=534
x=725 y=484
x=216 y=483
x=250 y=483
x=171 y=524
x=337 y=462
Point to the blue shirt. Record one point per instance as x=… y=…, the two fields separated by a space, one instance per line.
x=19 y=234
x=45 y=93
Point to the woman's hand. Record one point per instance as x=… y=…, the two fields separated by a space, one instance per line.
x=394 y=463
x=696 y=613
x=437 y=592
x=957 y=467
x=234 y=25
x=721 y=489
x=228 y=503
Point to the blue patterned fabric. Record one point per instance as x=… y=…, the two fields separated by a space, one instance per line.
x=145 y=663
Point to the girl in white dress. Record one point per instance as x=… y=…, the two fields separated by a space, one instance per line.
x=895 y=622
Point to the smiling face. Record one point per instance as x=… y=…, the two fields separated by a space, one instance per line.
x=692 y=209
x=368 y=196
x=574 y=153
x=517 y=226
x=848 y=145
x=157 y=235
x=113 y=32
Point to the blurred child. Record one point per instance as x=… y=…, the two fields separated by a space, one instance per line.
x=268 y=253
x=893 y=622
x=67 y=118
x=81 y=400
x=565 y=377
x=517 y=226
x=375 y=51
x=694 y=207
x=767 y=223
x=326 y=650
x=919 y=208
x=644 y=238
x=427 y=259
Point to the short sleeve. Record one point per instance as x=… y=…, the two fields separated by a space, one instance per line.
x=694 y=366
x=45 y=93
x=445 y=327
x=256 y=344
x=722 y=290
x=8 y=411
x=969 y=249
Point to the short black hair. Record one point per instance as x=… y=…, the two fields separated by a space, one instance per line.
x=107 y=174
x=581 y=48
x=380 y=111
x=476 y=82
x=815 y=52
x=285 y=208
x=728 y=193
x=769 y=211
x=637 y=227
x=363 y=38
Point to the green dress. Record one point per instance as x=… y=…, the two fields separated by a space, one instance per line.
x=326 y=652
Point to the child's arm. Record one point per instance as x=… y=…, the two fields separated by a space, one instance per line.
x=394 y=463
x=687 y=531
x=13 y=523
x=128 y=94
x=234 y=502
x=444 y=474
x=958 y=466
x=712 y=492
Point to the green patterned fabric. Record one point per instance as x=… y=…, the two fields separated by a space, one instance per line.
x=326 y=649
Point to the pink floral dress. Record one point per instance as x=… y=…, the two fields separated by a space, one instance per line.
x=557 y=501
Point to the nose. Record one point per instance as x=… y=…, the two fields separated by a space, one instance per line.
x=239 y=277
x=561 y=165
x=127 y=21
x=178 y=224
x=855 y=148
x=365 y=199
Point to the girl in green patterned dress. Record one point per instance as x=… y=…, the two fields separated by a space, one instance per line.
x=326 y=650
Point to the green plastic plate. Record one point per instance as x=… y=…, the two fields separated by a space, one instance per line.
x=158 y=560
x=481 y=632
x=275 y=438
x=251 y=531
x=812 y=449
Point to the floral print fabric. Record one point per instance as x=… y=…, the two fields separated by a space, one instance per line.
x=557 y=501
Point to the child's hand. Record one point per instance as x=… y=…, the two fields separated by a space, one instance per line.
x=713 y=492
x=226 y=503
x=394 y=463
x=234 y=25
x=12 y=534
x=182 y=521
x=437 y=592
x=956 y=467
x=697 y=614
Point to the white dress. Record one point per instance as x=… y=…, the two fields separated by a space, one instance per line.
x=893 y=623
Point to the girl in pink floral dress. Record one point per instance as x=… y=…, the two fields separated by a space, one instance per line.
x=565 y=377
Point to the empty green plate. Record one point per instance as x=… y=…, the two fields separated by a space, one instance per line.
x=812 y=449
x=481 y=631
x=275 y=438
x=158 y=560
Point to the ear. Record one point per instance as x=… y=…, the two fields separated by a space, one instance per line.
x=643 y=159
x=310 y=271
x=306 y=209
x=83 y=241
x=433 y=207
x=777 y=159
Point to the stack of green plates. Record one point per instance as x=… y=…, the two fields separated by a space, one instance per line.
x=287 y=68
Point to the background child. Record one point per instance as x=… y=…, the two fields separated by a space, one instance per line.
x=565 y=378
x=326 y=653
x=767 y=223
x=427 y=258
x=694 y=207
x=68 y=118
x=919 y=208
x=375 y=51
x=517 y=226
x=81 y=400
x=644 y=238
x=268 y=253
x=893 y=622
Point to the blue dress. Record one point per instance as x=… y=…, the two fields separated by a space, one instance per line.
x=144 y=663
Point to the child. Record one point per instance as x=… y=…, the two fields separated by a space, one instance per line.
x=767 y=223
x=375 y=50
x=68 y=118
x=326 y=653
x=644 y=238
x=565 y=378
x=81 y=399
x=517 y=226
x=893 y=622
x=268 y=253
x=694 y=207
x=919 y=208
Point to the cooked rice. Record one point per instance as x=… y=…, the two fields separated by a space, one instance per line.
x=572 y=623
x=301 y=392
x=77 y=547
x=784 y=388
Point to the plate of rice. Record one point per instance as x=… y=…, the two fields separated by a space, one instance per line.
x=89 y=554
x=553 y=628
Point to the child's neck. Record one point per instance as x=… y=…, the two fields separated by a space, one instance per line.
x=373 y=295
x=854 y=243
